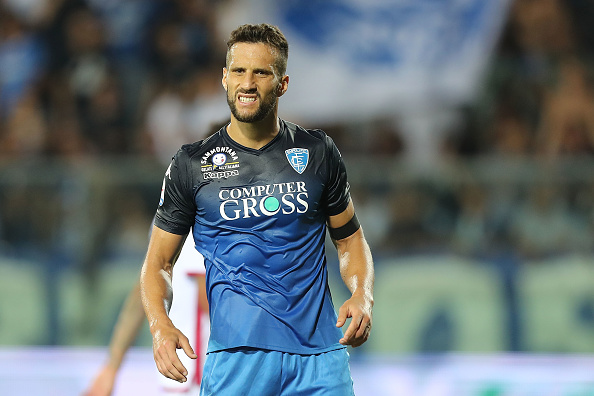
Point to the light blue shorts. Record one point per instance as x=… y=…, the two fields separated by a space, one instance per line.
x=257 y=372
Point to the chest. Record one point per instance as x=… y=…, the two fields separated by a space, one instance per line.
x=243 y=190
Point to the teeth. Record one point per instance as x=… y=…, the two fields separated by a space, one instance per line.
x=245 y=99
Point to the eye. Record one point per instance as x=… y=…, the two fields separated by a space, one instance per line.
x=262 y=73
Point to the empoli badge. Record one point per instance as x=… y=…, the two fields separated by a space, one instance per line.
x=298 y=158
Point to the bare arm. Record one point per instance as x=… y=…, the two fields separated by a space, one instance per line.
x=356 y=269
x=126 y=330
x=157 y=295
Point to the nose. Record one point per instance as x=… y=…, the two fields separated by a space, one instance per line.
x=248 y=82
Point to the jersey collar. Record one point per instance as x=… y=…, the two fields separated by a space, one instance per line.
x=231 y=142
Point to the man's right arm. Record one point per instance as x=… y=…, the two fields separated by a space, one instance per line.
x=157 y=295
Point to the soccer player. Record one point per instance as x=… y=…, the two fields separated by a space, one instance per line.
x=190 y=313
x=259 y=195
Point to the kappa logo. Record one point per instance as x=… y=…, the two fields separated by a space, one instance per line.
x=298 y=158
x=167 y=175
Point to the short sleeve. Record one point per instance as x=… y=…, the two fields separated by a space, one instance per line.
x=337 y=188
x=177 y=208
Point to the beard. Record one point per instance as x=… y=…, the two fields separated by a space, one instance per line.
x=266 y=106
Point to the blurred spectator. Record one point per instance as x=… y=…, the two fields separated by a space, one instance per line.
x=384 y=139
x=503 y=199
x=542 y=27
x=209 y=108
x=373 y=209
x=406 y=233
x=199 y=30
x=567 y=126
x=103 y=119
x=128 y=27
x=166 y=117
x=510 y=135
x=65 y=139
x=85 y=43
x=132 y=221
x=466 y=139
x=581 y=13
x=25 y=130
x=31 y=12
x=36 y=14
x=21 y=61
x=537 y=35
x=182 y=40
x=472 y=232
x=171 y=52
x=185 y=110
x=541 y=227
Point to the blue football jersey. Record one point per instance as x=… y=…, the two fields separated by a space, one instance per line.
x=259 y=219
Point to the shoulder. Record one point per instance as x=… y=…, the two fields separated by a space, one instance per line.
x=198 y=148
x=311 y=136
x=191 y=149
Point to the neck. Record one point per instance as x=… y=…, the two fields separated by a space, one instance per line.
x=254 y=135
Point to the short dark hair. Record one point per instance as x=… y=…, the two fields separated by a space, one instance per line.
x=266 y=34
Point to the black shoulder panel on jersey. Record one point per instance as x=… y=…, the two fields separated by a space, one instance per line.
x=192 y=148
x=316 y=133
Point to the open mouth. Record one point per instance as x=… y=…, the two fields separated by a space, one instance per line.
x=247 y=99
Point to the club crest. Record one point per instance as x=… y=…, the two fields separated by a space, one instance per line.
x=298 y=158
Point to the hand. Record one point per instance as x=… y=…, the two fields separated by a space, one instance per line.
x=103 y=383
x=165 y=343
x=358 y=308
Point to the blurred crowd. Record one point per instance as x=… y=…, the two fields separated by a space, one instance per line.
x=537 y=104
x=104 y=78
x=539 y=95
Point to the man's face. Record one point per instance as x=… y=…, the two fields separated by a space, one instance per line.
x=251 y=82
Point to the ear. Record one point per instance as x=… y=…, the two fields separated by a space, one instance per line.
x=224 y=79
x=282 y=87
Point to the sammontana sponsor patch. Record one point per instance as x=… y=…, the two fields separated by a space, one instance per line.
x=220 y=163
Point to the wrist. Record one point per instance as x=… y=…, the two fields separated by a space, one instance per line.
x=367 y=295
x=157 y=325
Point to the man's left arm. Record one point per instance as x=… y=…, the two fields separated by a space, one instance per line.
x=356 y=269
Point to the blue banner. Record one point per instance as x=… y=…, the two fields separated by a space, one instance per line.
x=362 y=58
